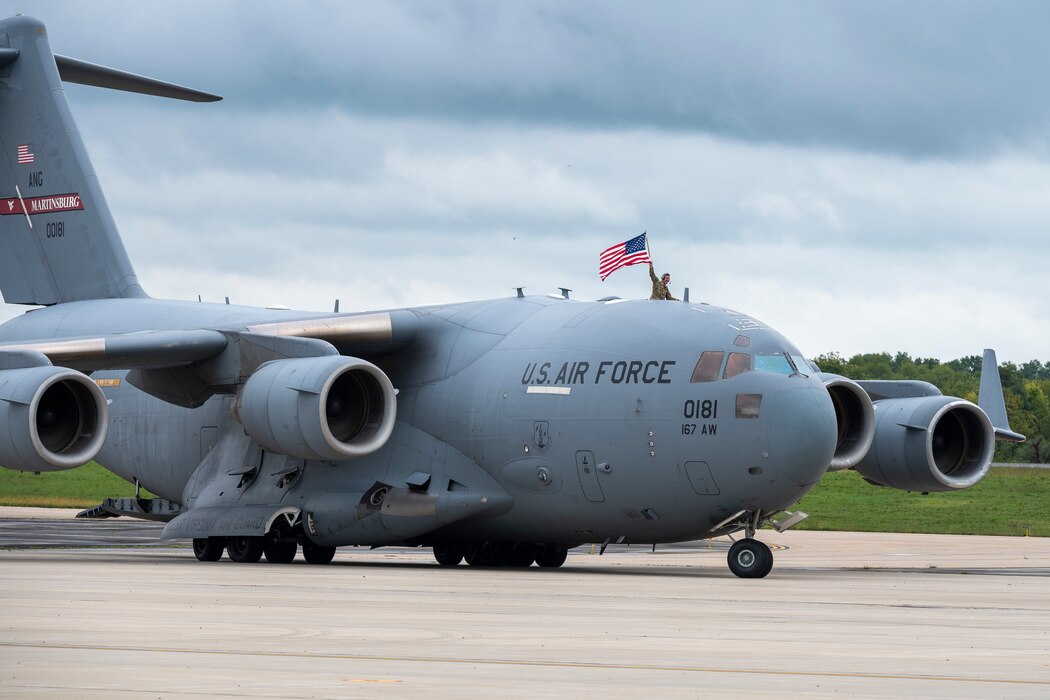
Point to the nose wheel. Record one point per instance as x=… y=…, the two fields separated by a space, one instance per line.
x=750 y=558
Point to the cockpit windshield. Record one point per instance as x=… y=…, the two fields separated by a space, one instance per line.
x=775 y=362
x=787 y=363
x=803 y=365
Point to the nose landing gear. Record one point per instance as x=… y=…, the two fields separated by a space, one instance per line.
x=749 y=558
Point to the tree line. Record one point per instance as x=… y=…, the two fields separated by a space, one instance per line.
x=1026 y=389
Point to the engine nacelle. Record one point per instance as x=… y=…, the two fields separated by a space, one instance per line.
x=51 y=418
x=929 y=443
x=330 y=407
x=856 y=420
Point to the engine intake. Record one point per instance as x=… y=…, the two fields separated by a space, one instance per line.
x=330 y=407
x=856 y=420
x=930 y=443
x=51 y=419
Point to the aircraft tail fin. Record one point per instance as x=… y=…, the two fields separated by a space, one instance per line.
x=58 y=240
x=990 y=399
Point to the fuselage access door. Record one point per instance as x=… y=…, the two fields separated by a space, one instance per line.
x=588 y=471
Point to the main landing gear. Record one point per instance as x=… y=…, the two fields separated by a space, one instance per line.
x=278 y=549
x=493 y=554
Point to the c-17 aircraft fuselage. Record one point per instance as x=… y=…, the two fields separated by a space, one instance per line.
x=502 y=431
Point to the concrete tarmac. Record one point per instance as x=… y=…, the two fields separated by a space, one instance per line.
x=859 y=614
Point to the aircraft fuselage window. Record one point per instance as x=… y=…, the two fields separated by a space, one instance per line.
x=773 y=362
x=707 y=366
x=748 y=405
x=739 y=362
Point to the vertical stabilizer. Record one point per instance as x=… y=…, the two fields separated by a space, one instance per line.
x=58 y=241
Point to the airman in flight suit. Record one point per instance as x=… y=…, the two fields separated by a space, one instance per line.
x=660 y=290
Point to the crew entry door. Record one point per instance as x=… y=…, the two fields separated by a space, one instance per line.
x=588 y=471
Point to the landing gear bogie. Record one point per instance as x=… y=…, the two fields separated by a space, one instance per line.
x=500 y=554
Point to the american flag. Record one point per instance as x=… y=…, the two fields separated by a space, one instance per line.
x=631 y=252
x=24 y=156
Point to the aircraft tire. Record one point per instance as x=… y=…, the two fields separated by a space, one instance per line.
x=448 y=554
x=485 y=554
x=244 y=550
x=521 y=556
x=208 y=548
x=316 y=554
x=750 y=558
x=280 y=552
x=551 y=556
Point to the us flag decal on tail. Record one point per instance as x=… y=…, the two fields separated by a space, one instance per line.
x=24 y=156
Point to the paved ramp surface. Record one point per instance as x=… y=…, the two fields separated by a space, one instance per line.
x=863 y=615
x=46 y=532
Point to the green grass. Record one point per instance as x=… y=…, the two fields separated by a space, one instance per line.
x=1006 y=502
x=76 y=488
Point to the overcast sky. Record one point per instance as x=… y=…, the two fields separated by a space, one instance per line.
x=864 y=177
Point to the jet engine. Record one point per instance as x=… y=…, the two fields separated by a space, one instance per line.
x=929 y=443
x=51 y=418
x=330 y=407
x=856 y=420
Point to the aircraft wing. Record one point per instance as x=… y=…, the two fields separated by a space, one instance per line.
x=360 y=334
x=142 y=350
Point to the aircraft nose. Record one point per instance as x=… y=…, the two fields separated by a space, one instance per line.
x=802 y=432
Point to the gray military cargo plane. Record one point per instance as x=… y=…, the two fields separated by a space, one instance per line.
x=502 y=432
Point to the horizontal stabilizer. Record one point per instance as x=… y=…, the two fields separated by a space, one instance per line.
x=990 y=399
x=73 y=70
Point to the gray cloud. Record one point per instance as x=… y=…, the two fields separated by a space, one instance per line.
x=935 y=79
x=864 y=178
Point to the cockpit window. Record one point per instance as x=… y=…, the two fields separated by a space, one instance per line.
x=707 y=366
x=742 y=341
x=748 y=405
x=803 y=365
x=773 y=362
x=738 y=363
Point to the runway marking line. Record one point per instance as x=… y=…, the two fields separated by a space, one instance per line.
x=524 y=662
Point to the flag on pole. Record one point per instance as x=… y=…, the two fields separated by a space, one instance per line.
x=630 y=252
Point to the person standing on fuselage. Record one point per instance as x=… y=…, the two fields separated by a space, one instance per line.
x=660 y=290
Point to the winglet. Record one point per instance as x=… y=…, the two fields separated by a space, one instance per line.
x=990 y=399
